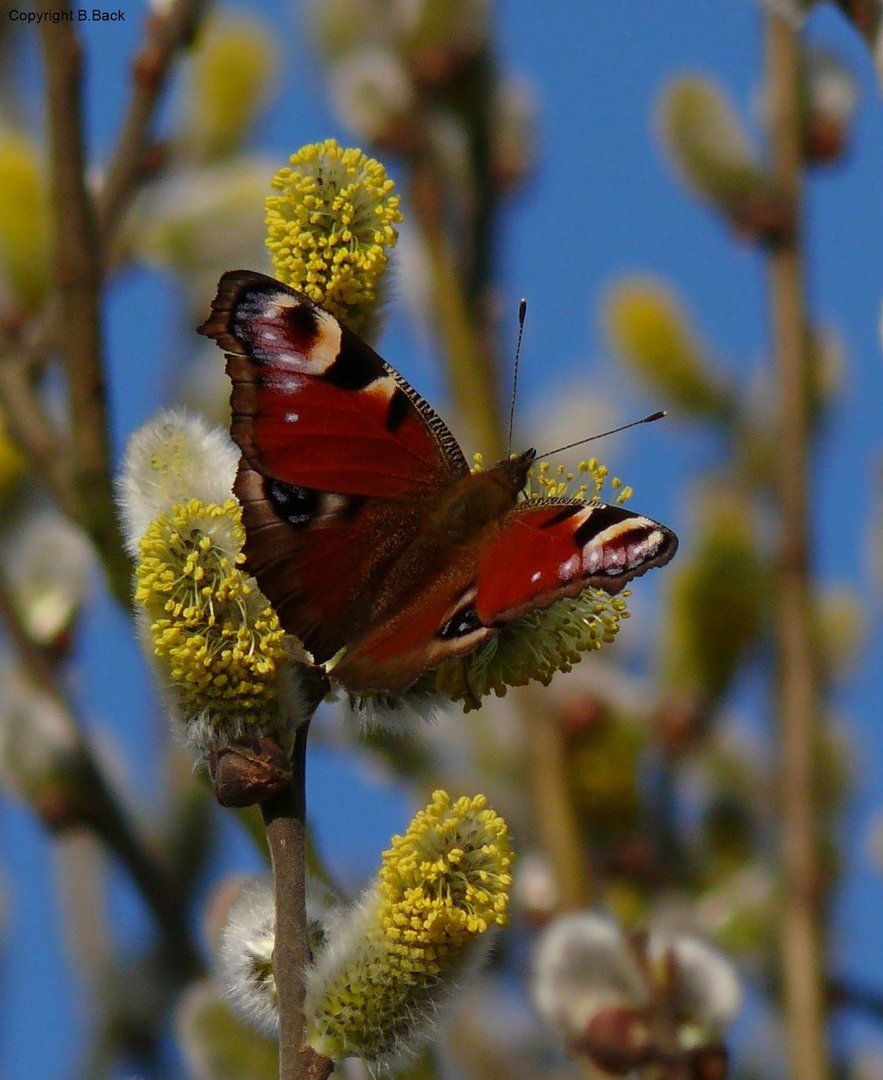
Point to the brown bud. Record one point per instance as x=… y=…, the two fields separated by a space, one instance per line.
x=617 y=1039
x=709 y=1063
x=824 y=139
x=249 y=772
x=680 y=722
x=581 y=714
x=763 y=215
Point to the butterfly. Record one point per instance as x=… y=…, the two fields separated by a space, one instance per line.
x=365 y=528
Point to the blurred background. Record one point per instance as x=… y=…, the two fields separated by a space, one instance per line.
x=613 y=164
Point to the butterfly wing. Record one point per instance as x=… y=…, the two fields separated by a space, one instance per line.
x=339 y=456
x=549 y=549
x=539 y=551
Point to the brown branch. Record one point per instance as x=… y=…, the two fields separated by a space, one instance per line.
x=285 y=822
x=32 y=430
x=552 y=801
x=77 y=263
x=83 y=236
x=798 y=677
x=468 y=363
x=166 y=35
x=99 y=807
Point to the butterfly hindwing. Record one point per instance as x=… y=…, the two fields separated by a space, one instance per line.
x=535 y=553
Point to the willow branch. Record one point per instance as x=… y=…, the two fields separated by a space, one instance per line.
x=77 y=262
x=469 y=364
x=166 y=34
x=32 y=430
x=285 y=819
x=103 y=812
x=798 y=677
x=553 y=805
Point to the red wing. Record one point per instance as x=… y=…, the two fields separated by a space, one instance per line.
x=320 y=573
x=548 y=549
x=316 y=407
x=339 y=457
x=537 y=553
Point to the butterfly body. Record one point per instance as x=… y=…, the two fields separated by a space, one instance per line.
x=364 y=526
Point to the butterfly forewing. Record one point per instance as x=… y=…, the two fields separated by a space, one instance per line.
x=548 y=549
x=338 y=453
x=316 y=407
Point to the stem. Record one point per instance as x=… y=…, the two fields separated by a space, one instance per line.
x=468 y=360
x=105 y=814
x=285 y=822
x=77 y=262
x=798 y=677
x=553 y=805
x=166 y=34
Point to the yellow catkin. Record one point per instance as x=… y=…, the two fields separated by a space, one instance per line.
x=217 y=638
x=330 y=227
x=441 y=887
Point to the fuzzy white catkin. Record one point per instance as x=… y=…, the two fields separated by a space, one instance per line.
x=245 y=955
x=709 y=991
x=583 y=964
x=580 y=966
x=174 y=457
x=245 y=951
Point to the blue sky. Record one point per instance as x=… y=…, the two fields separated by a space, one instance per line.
x=602 y=202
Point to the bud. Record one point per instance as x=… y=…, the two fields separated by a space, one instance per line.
x=582 y=968
x=49 y=568
x=438 y=37
x=513 y=133
x=233 y=67
x=12 y=463
x=24 y=220
x=617 y=1039
x=713 y=157
x=830 y=98
x=718 y=599
x=372 y=94
x=604 y=993
x=215 y=1045
x=40 y=758
x=247 y=909
x=649 y=330
x=200 y=219
x=794 y=11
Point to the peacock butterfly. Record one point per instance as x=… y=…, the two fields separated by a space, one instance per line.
x=364 y=526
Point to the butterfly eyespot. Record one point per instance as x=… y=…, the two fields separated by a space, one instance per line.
x=463 y=622
x=296 y=505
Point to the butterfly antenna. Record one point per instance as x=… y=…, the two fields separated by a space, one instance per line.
x=644 y=420
x=522 y=313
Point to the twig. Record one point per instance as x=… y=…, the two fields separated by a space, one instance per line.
x=285 y=821
x=849 y=995
x=552 y=798
x=166 y=35
x=798 y=677
x=32 y=430
x=469 y=366
x=77 y=262
x=104 y=813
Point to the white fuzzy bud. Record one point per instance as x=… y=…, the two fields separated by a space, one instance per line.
x=173 y=458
